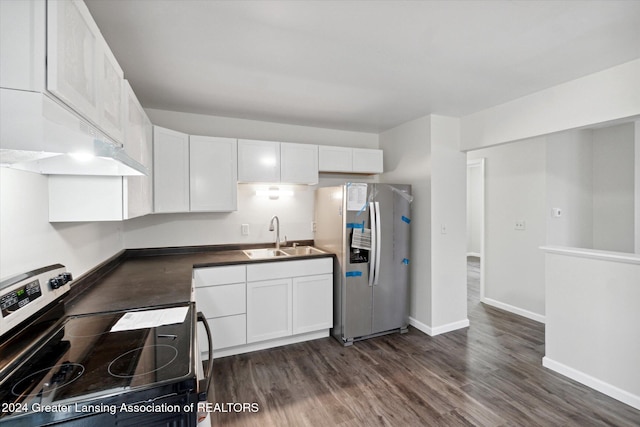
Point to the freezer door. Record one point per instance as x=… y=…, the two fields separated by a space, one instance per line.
x=390 y=293
x=358 y=294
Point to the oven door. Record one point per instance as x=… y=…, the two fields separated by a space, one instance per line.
x=205 y=384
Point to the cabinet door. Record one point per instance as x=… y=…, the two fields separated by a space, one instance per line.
x=111 y=93
x=367 y=160
x=23 y=45
x=72 y=51
x=312 y=303
x=213 y=174
x=258 y=161
x=170 y=171
x=334 y=159
x=268 y=310
x=298 y=163
x=138 y=190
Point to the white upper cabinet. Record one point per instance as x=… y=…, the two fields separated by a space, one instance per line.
x=258 y=161
x=269 y=161
x=350 y=160
x=298 y=163
x=367 y=161
x=193 y=173
x=213 y=174
x=81 y=69
x=170 y=171
x=72 y=55
x=23 y=45
x=335 y=159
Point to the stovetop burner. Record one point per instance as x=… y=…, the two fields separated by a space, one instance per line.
x=56 y=377
x=120 y=367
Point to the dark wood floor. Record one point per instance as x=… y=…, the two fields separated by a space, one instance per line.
x=489 y=374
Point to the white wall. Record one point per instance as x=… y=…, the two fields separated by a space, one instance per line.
x=593 y=313
x=448 y=210
x=515 y=189
x=28 y=239
x=425 y=154
x=191 y=229
x=407 y=160
x=613 y=188
x=611 y=94
x=474 y=209
x=295 y=213
x=570 y=188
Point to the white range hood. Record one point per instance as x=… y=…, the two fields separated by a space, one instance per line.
x=39 y=134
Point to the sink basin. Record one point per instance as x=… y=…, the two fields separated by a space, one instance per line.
x=302 y=250
x=264 y=253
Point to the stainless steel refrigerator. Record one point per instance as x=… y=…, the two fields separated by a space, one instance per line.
x=368 y=227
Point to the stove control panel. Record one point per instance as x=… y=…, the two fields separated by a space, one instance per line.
x=18 y=298
x=24 y=295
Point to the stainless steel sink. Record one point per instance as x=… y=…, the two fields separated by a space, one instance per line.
x=302 y=250
x=265 y=253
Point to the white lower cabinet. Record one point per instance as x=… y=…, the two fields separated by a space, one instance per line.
x=220 y=294
x=257 y=306
x=312 y=303
x=268 y=310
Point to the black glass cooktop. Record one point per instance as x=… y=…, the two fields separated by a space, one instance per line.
x=84 y=360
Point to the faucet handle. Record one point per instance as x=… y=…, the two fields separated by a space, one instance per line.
x=284 y=241
x=295 y=245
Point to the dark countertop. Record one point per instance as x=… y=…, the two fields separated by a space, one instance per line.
x=143 y=278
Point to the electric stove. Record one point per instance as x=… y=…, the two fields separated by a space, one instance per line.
x=134 y=367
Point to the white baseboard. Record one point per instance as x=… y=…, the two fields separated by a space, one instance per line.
x=515 y=310
x=476 y=254
x=433 y=331
x=596 y=384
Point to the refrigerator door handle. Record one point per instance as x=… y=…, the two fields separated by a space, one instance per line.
x=372 y=257
x=378 y=243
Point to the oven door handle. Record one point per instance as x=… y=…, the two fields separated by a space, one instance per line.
x=206 y=383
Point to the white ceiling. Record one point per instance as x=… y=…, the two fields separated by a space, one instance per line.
x=358 y=65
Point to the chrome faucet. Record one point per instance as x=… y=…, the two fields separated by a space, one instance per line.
x=277 y=228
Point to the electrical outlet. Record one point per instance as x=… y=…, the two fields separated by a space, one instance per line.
x=313 y=226
x=245 y=229
x=556 y=212
x=520 y=224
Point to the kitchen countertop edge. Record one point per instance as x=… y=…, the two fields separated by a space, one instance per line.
x=112 y=281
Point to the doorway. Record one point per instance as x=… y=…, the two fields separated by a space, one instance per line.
x=475 y=232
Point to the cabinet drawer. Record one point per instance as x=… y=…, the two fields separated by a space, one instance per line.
x=226 y=332
x=278 y=270
x=221 y=300
x=212 y=276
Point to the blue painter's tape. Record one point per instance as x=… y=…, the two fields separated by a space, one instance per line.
x=353 y=273
x=405 y=261
x=405 y=219
x=355 y=225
